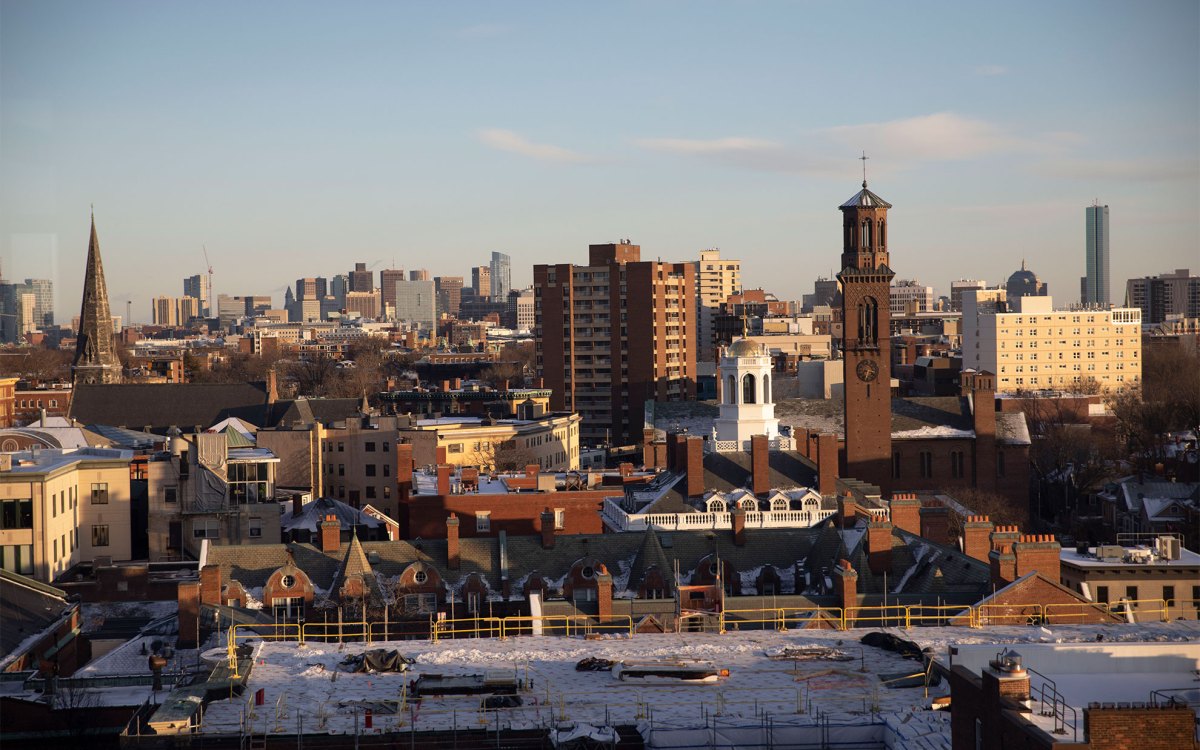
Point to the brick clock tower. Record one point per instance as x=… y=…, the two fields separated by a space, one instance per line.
x=866 y=338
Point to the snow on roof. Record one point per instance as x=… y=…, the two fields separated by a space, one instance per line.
x=939 y=431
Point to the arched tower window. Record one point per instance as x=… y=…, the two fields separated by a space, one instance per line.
x=849 y=233
x=866 y=234
x=748 y=389
x=882 y=234
x=766 y=389
x=868 y=321
x=731 y=389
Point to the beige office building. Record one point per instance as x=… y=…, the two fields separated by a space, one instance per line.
x=716 y=279
x=59 y=508
x=1030 y=346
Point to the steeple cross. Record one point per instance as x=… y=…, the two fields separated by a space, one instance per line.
x=863 y=159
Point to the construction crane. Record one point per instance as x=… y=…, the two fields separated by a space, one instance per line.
x=207 y=262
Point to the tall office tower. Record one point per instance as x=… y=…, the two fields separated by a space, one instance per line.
x=311 y=288
x=197 y=287
x=449 y=294
x=481 y=281
x=521 y=312
x=910 y=297
x=257 y=304
x=1096 y=286
x=866 y=337
x=416 y=303
x=501 y=268
x=963 y=285
x=26 y=314
x=43 y=294
x=1164 y=296
x=716 y=279
x=229 y=310
x=95 y=349
x=614 y=334
x=363 y=304
x=1024 y=283
x=387 y=286
x=338 y=287
x=419 y=274
x=361 y=280
x=164 y=311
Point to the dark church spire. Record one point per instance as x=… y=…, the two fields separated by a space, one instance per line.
x=95 y=351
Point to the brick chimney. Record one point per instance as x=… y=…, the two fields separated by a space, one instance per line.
x=1038 y=553
x=845 y=586
x=604 y=593
x=297 y=504
x=452 y=554
x=404 y=471
x=847 y=511
x=272 y=386
x=935 y=523
x=906 y=512
x=1002 y=559
x=210 y=584
x=694 y=466
x=879 y=546
x=976 y=537
x=738 y=518
x=547 y=520
x=443 y=479
x=650 y=459
x=188 y=595
x=760 y=465
x=331 y=534
x=625 y=469
x=983 y=403
x=827 y=463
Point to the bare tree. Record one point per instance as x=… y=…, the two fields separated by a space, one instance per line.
x=1002 y=510
x=502 y=456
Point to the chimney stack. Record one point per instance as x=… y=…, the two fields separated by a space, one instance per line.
x=879 y=546
x=331 y=534
x=1040 y=553
x=547 y=519
x=738 y=518
x=443 y=479
x=906 y=512
x=694 y=466
x=845 y=587
x=976 y=536
x=452 y=550
x=760 y=465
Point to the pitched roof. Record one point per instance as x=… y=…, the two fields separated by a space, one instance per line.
x=865 y=199
x=160 y=406
x=651 y=555
x=311 y=410
x=313 y=513
x=27 y=609
x=356 y=565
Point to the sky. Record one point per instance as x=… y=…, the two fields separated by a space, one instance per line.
x=295 y=139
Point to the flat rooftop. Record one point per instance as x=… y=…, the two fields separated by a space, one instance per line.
x=1187 y=559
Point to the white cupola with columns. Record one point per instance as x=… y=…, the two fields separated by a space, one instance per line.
x=746 y=405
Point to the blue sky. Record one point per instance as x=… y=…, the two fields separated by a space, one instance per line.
x=293 y=139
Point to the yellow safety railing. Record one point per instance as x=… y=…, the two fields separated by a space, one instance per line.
x=774 y=617
x=339 y=631
x=1143 y=607
x=472 y=627
x=796 y=615
x=1068 y=613
x=1009 y=614
x=890 y=615
x=940 y=614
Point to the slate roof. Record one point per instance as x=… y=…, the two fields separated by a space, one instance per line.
x=651 y=555
x=931 y=411
x=160 y=406
x=312 y=410
x=313 y=513
x=27 y=608
x=356 y=565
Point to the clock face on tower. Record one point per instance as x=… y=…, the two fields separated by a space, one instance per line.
x=867 y=370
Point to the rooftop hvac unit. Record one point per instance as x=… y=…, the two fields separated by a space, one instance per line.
x=1140 y=555
x=1168 y=547
x=1110 y=552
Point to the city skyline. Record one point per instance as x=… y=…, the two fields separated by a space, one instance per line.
x=441 y=136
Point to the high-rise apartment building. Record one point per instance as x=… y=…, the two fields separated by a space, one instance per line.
x=387 y=286
x=481 y=281
x=957 y=288
x=1096 y=283
x=186 y=308
x=910 y=296
x=361 y=279
x=449 y=294
x=164 y=311
x=1031 y=346
x=197 y=287
x=501 y=268
x=716 y=279
x=1164 y=296
x=43 y=295
x=614 y=334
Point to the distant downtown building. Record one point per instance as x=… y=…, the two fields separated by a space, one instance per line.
x=416 y=303
x=449 y=294
x=1165 y=296
x=387 y=286
x=963 y=285
x=360 y=279
x=501 y=268
x=1024 y=283
x=1095 y=286
x=716 y=279
x=910 y=296
x=614 y=334
x=481 y=281
x=197 y=287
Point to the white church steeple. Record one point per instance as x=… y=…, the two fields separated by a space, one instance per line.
x=747 y=407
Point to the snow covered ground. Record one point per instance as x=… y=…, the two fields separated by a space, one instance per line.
x=304 y=687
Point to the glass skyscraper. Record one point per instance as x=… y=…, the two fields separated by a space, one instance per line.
x=1096 y=283
x=501 y=268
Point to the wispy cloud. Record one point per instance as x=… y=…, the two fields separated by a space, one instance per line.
x=1128 y=170
x=938 y=137
x=990 y=70
x=748 y=153
x=483 y=31
x=507 y=140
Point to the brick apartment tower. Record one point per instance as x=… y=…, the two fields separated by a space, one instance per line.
x=96 y=359
x=613 y=334
x=866 y=338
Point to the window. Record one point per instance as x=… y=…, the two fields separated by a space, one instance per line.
x=100 y=535
x=248 y=483
x=287 y=608
x=1102 y=594
x=1168 y=595
x=748 y=389
x=341 y=470
x=370 y=492
x=420 y=576
x=731 y=396
x=454 y=448
x=17 y=558
x=895 y=464
x=53 y=506
x=370 y=446
x=560 y=518
x=420 y=603
x=341 y=447
x=957 y=464
x=170 y=494
x=16 y=514
x=206 y=529
x=926 y=465
x=370 y=470
x=100 y=493
x=1131 y=593
x=472 y=600
x=255 y=527
x=385 y=446
x=387 y=470
x=483 y=522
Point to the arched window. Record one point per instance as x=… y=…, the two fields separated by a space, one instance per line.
x=748 y=389
x=766 y=389
x=849 y=234
x=868 y=318
x=882 y=234
x=731 y=397
x=866 y=234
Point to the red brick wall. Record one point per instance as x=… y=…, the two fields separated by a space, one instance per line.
x=977 y=532
x=517 y=514
x=879 y=546
x=906 y=512
x=1038 y=553
x=694 y=466
x=760 y=479
x=1166 y=728
x=1016 y=605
